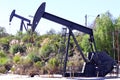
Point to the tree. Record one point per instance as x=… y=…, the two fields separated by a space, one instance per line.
x=116 y=37
x=103 y=32
x=85 y=44
x=3 y=32
x=117 y=23
x=51 y=32
x=4 y=43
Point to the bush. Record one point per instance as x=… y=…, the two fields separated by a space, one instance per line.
x=5 y=43
x=33 y=57
x=3 y=58
x=4 y=40
x=16 y=58
x=5 y=47
x=2 y=54
x=17 y=48
x=39 y=64
x=38 y=44
x=2 y=69
x=3 y=61
x=45 y=50
x=53 y=65
x=26 y=38
x=25 y=60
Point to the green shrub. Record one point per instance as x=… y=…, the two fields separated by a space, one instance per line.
x=2 y=54
x=5 y=47
x=4 y=40
x=17 y=48
x=26 y=38
x=16 y=58
x=25 y=60
x=52 y=66
x=33 y=57
x=38 y=44
x=71 y=53
x=13 y=49
x=39 y=64
x=53 y=62
x=45 y=50
x=5 y=43
x=28 y=44
x=3 y=60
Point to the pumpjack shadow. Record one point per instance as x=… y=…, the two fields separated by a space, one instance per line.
x=98 y=64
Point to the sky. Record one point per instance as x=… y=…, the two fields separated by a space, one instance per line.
x=73 y=10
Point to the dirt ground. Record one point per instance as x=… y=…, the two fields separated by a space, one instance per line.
x=49 y=77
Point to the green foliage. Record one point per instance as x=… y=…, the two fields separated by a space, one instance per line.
x=2 y=54
x=39 y=64
x=70 y=63
x=79 y=38
x=19 y=35
x=85 y=44
x=117 y=23
x=46 y=50
x=21 y=49
x=3 y=60
x=55 y=40
x=53 y=62
x=26 y=38
x=3 y=32
x=4 y=42
x=17 y=48
x=29 y=36
x=103 y=36
x=53 y=65
x=24 y=60
x=70 y=53
x=51 y=32
x=28 y=44
x=16 y=58
x=5 y=47
x=33 y=57
x=37 y=44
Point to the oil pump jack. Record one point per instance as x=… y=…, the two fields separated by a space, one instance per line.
x=23 y=19
x=98 y=63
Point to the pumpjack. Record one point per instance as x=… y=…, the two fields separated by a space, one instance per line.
x=98 y=63
x=23 y=19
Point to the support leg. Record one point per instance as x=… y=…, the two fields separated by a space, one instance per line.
x=66 y=55
x=85 y=59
